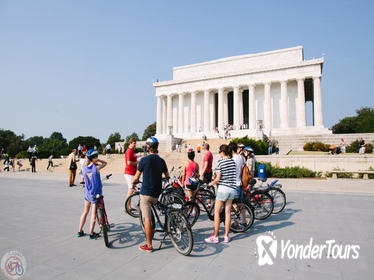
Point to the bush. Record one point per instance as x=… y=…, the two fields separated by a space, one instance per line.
x=260 y=147
x=22 y=154
x=318 y=146
x=308 y=146
x=354 y=147
x=287 y=172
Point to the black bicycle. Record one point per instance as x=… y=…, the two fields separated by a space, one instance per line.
x=242 y=214
x=132 y=203
x=175 y=226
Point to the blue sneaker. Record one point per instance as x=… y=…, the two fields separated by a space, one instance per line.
x=80 y=234
x=94 y=236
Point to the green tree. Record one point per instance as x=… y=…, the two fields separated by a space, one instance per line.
x=35 y=140
x=363 y=122
x=114 y=137
x=149 y=131
x=87 y=141
x=58 y=136
x=132 y=135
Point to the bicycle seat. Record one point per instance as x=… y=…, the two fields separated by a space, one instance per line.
x=99 y=196
x=263 y=179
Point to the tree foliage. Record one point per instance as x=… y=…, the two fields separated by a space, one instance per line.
x=113 y=138
x=149 y=131
x=132 y=135
x=363 y=122
x=87 y=141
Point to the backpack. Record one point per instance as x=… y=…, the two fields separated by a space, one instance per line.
x=245 y=174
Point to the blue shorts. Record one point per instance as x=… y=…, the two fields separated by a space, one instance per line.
x=239 y=192
x=223 y=196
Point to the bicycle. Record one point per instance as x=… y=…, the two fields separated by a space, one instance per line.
x=242 y=214
x=175 y=226
x=274 y=190
x=101 y=215
x=261 y=201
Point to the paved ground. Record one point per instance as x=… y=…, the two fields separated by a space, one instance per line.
x=39 y=218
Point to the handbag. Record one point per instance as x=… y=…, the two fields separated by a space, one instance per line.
x=73 y=166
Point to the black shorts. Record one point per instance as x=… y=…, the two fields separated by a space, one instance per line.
x=191 y=188
x=208 y=178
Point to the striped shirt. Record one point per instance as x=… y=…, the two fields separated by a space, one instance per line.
x=227 y=168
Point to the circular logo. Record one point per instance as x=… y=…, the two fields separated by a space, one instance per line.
x=13 y=265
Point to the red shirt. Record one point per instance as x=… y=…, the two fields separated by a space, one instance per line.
x=130 y=156
x=209 y=158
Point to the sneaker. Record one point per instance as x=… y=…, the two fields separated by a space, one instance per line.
x=211 y=239
x=80 y=234
x=145 y=248
x=226 y=239
x=93 y=236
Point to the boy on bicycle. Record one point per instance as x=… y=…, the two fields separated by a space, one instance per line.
x=91 y=173
x=152 y=167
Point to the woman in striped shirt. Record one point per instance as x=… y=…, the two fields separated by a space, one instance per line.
x=226 y=181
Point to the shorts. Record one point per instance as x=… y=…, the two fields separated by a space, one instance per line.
x=191 y=188
x=239 y=192
x=129 y=178
x=108 y=151
x=208 y=177
x=224 y=196
x=146 y=203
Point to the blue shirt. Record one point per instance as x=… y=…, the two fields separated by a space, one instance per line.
x=92 y=182
x=152 y=167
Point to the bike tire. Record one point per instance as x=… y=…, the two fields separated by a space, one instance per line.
x=205 y=197
x=236 y=216
x=191 y=211
x=279 y=199
x=262 y=203
x=177 y=225
x=170 y=197
x=135 y=197
x=103 y=226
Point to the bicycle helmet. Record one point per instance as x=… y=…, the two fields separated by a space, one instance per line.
x=249 y=149
x=91 y=154
x=152 y=142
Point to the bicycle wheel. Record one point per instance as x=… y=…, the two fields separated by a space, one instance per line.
x=242 y=217
x=103 y=226
x=191 y=211
x=171 y=197
x=132 y=205
x=279 y=199
x=180 y=232
x=262 y=204
x=205 y=197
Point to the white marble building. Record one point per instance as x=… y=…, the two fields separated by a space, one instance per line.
x=266 y=90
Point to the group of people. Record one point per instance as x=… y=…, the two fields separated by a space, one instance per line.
x=153 y=168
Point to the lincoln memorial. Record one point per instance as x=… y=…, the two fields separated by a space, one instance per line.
x=245 y=94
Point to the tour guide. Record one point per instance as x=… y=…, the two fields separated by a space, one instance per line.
x=152 y=167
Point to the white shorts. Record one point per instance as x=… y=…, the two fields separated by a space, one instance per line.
x=129 y=179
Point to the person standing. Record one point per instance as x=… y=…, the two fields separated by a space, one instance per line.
x=362 y=146
x=107 y=148
x=82 y=162
x=79 y=150
x=207 y=171
x=226 y=181
x=190 y=169
x=277 y=147
x=50 y=162
x=152 y=167
x=19 y=164
x=29 y=152
x=343 y=146
x=131 y=163
x=270 y=147
x=251 y=160
x=33 y=163
x=6 y=164
x=72 y=164
x=239 y=162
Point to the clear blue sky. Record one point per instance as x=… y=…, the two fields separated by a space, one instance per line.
x=86 y=67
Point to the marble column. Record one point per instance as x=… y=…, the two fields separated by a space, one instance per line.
x=193 y=112
x=159 y=116
x=251 y=107
x=220 y=110
x=284 y=105
x=267 y=107
x=318 y=118
x=206 y=109
x=169 y=113
x=181 y=113
x=164 y=116
x=236 y=108
x=212 y=112
x=300 y=106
